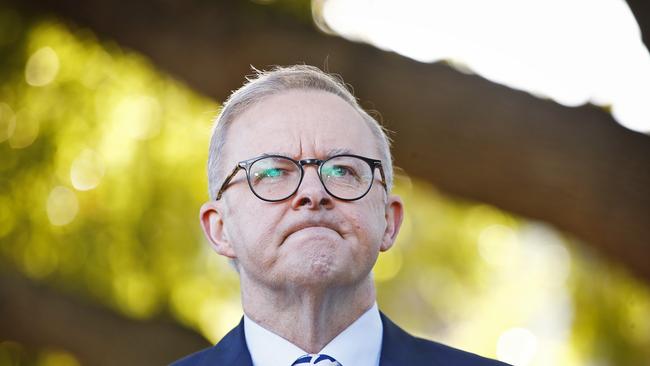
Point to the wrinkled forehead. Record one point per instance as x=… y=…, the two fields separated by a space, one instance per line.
x=300 y=124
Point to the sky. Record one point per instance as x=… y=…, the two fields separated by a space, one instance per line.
x=571 y=51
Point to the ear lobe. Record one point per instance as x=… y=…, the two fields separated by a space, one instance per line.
x=394 y=217
x=213 y=227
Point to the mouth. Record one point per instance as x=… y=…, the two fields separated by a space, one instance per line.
x=312 y=228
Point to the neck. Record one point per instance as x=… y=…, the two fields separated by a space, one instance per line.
x=307 y=317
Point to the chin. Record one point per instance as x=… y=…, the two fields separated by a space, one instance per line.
x=324 y=274
x=314 y=271
x=316 y=263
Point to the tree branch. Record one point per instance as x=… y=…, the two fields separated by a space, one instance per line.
x=40 y=316
x=573 y=167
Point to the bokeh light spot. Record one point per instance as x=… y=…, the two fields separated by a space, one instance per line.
x=57 y=358
x=42 y=67
x=25 y=131
x=544 y=255
x=7 y=122
x=137 y=294
x=62 y=206
x=139 y=116
x=87 y=170
x=498 y=245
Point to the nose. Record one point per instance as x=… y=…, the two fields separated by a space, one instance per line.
x=311 y=193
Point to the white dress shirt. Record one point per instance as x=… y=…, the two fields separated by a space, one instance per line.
x=358 y=345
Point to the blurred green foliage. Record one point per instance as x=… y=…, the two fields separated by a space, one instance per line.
x=102 y=173
x=12 y=353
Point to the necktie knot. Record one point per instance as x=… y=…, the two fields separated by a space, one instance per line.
x=319 y=359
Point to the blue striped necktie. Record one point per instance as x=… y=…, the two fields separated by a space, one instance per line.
x=320 y=360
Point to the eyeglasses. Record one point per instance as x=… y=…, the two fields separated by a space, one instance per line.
x=275 y=178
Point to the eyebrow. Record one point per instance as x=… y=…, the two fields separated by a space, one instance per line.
x=340 y=151
x=276 y=153
x=329 y=154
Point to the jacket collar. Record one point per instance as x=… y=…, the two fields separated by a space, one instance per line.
x=397 y=347
x=231 y=350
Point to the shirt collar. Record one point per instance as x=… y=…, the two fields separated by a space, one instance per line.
x=358 y=345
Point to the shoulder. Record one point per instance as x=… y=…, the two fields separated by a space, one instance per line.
x=196 y=358
x=400 y=348
x=231 y=350
x=446 y=355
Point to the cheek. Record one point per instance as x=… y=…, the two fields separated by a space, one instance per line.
x=369 y=228
x=253 y=234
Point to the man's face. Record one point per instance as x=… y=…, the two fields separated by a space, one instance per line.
x=311 y=238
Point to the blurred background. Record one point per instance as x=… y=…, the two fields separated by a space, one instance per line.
x=520 y=137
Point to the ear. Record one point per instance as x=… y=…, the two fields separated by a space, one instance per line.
x=394 y=216
x=211 y=217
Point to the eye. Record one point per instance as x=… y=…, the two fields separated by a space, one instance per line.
x=340 y=171
x=269 y=173
x=337 y=171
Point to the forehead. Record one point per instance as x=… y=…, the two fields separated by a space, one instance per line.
x=300 y=123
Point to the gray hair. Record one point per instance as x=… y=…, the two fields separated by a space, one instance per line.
x=266 y=83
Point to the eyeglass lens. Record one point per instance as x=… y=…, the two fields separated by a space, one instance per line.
x=276 y=178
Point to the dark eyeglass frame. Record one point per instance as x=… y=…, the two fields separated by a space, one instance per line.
x=246 y=166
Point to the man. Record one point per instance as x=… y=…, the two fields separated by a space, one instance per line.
x=300 y=180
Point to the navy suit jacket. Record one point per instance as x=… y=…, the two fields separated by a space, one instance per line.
x=398 y=348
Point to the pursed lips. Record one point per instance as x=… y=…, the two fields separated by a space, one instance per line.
x=307 y=225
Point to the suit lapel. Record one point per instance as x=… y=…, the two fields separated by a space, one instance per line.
x=231 y=350
x=397 y=346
